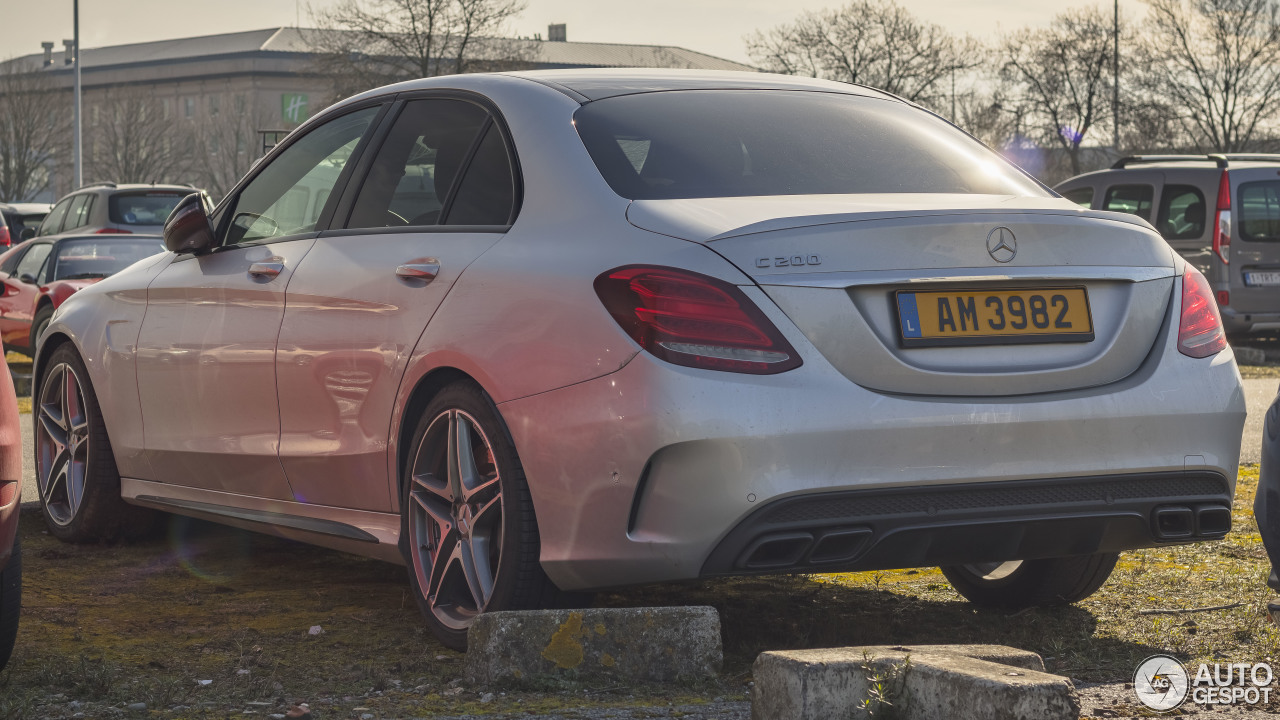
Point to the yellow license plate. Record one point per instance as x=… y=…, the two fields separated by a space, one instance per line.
x=994 y=317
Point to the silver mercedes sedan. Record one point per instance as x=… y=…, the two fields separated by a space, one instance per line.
x=537 y=334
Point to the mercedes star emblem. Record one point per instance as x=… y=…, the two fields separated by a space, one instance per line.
x=1002 y=245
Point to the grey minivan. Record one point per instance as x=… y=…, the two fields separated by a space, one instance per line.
x=1221 y=212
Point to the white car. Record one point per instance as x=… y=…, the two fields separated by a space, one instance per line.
x=534 y=334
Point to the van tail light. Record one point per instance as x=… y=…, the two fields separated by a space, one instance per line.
x=690 y=319
x=1222 y=220
x=5 y=239
x=113 y=231
x=1200 y=332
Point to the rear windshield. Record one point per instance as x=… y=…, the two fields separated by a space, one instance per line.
x=98 y=258
x=147 y=208
x=731 y=143
x=1260 y=211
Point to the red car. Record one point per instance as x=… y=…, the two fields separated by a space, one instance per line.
x=38 y=275
x=10 y=490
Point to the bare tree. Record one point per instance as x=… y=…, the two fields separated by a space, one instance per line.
x=130 y=139
x=227 y=144
x=1216 y=63
x=871 y=42
x=1065 y=72
x=34 y=130
x=362 y=44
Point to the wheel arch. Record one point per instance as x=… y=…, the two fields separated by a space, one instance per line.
x=424 y=391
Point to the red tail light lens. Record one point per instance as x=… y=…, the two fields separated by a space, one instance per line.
x=694 y=320
x=1200 y=332
x=5 y=239
x=113 y=231
x=1222 y=220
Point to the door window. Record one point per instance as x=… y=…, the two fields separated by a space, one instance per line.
x=54 y=220
x=487 y=193
x=78 y=213
x=1080 y=196
x=33 y=260
x=1181 y=212
x=289 y=195
x=1260 y=211
x=11 y=263
x=1132 y=199
x=409 y=181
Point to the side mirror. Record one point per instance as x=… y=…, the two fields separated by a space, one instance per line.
x=188 y=229
x=27 y=278
x=27 y=234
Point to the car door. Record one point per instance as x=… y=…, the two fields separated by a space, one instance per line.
x=206 y=348
x=439 y=192
x=21 y=289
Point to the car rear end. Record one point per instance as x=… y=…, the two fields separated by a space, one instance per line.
x=1247 y=245
x=140 y=209
x=953 y=370
x=17 y=218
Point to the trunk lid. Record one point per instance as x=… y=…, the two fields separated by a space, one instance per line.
x=839 y=267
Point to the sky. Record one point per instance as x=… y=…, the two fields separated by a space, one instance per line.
x=715 y=27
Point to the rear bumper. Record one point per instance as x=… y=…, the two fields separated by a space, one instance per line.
x=1236 y=321
x=981 y=522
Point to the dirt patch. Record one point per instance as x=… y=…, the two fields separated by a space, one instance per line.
x=150 y=622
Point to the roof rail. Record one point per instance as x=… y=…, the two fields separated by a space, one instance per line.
x=107 y=183
x=1257 y=157
x=1220 y=160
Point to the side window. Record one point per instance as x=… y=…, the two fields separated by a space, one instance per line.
x=1132 y=199
x=54 y=220
x=33 y=260
x=1182 y=212
x=1080 y=196
x=77 y=213
x=10 y=263
x=488 y=192
x=410 y=179
x=1260 y=211
x=283 y=198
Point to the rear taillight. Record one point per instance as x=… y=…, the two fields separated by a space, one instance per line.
x=694 y=320
x=113 y=231
x=5 y=239
x=1222 y=220
x=1200 y=332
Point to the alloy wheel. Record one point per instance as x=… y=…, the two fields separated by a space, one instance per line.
x=455 y=518
x=62 y=444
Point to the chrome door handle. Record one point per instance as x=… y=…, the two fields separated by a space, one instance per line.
x=266 y=269
x=424 y=271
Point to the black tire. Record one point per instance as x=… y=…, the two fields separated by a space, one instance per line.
x=503 y=547
x=96 y=513
x=1057 y=581
x=10 y=602
x=38 y=324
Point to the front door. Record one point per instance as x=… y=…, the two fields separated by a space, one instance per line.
x=439 y=192
x=206 y=349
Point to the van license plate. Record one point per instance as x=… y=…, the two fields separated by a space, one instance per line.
x=1260 y=279
x=993 y=317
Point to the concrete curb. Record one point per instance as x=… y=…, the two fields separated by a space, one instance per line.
x=646 y=644
x=922 y=682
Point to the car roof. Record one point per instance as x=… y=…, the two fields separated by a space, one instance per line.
x=26 y=208
x=597 y=84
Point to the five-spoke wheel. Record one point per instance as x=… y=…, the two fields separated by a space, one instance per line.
x=469 y=535
x=62 y=443
x=75 y=469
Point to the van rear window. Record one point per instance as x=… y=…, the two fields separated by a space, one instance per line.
x=1260 y=211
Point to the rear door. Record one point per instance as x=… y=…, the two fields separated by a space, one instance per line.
x=207 y=343
x=439 y=192
x=1132 y=192
x=1255 y=244
x=1184 y=215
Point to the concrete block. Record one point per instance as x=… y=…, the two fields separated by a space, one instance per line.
x=645 y=644
x=922 y=682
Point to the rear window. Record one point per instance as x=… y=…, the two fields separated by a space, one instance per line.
x=98 y=258
x=733 y=143
x=1132 y=199
x=149 y=208
x=1260 y=211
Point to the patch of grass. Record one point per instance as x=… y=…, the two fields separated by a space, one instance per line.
x=147 y=622
x=1260 y=371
